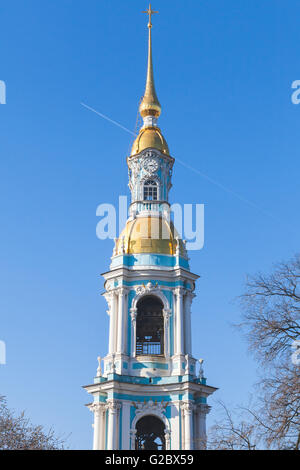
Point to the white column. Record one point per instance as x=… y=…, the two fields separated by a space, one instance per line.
x=188 y=426
x=166 y=332
x=202 y=411
x=112 y=433
x=109 y=297
x=96 y=442
x=126 y=425
x=174 y=332
x=179 y=320
x=125 y=322
x=98 y=409
x=102 y=427
x=175 y=423
x=187 y=317
x=120 y=345
x=111 y=325
x=133 y=314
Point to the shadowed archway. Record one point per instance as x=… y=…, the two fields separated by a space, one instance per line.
x=150 y=434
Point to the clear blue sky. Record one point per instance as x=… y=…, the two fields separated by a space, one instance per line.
x=223 y=72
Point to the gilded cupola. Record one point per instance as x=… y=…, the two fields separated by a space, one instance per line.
x=149 y=235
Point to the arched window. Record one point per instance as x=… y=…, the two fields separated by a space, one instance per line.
x=150 y=434
x=150 y=327
x=150 y=190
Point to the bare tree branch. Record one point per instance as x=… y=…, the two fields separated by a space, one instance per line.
x=271 y=305
x=271 y=322
x=17 y=433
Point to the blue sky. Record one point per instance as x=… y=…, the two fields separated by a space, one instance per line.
x=223 y=70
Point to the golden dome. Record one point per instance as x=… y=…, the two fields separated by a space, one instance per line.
x=150 y=137
x=148 y=235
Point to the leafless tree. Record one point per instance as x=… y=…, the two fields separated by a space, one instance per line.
x=235 y=430
x=271 y=322
x=278 y=412
x=271 y=305
x=17 y=433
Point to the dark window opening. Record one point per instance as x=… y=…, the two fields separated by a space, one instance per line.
x=150 y=434
x=150 y=191
x=150 y=327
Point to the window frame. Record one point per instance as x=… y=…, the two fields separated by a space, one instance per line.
x=153 y=186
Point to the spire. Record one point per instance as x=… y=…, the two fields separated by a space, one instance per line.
x=150 y=108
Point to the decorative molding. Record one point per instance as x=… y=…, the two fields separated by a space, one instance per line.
x=133 y=314
x=167 y=314
x=109 y=295
x=144 y=289
x=150 y=407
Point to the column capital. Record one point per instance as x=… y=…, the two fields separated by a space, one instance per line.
x=188 y=407
x=97 y=408
x=122 y=291
x=180 y=291
x=203 y=408
x=190 y=295
x=113 y=406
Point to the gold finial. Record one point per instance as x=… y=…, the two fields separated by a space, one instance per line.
x=150 y=12
x=150 y=105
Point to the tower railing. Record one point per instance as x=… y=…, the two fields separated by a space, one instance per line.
x=145 y=348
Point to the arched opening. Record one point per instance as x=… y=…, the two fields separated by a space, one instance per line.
x=150 y=190
x=150 y=327
x=150 y=434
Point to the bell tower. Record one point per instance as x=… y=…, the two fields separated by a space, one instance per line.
x=150 y=394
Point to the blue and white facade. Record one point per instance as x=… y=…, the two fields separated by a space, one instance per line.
x=149 y=264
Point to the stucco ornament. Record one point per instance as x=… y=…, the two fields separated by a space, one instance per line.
x=150 y=407
x=146 y=288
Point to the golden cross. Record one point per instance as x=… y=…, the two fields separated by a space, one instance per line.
x=150 y=12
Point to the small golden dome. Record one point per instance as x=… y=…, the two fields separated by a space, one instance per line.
x=150 y=137
x=148 y=235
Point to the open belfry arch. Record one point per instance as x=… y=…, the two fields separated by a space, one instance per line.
x=149 y=394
